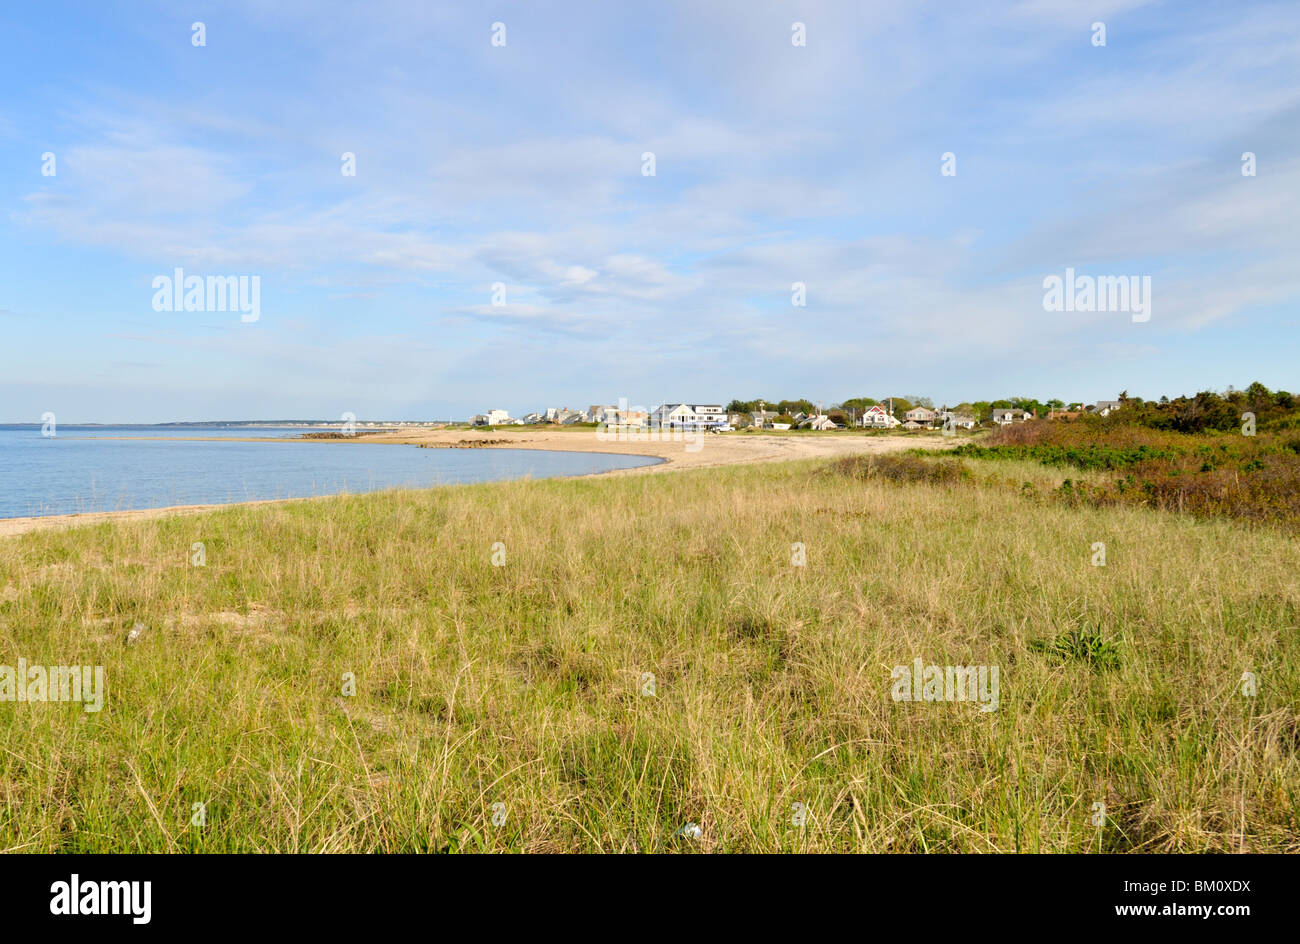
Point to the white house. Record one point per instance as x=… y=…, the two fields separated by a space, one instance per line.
x=1006 y=417
x=960 y=420
x=617 y=417
x=877 y=417
x=820 y=422
x=1106 y=407
x=688 y=414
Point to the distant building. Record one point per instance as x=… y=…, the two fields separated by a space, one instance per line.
x=1106 y=407
x=492 y=418
x=877 y=417
x=921 y=416
x=628 y=418
x=959 y=420
x=1007 y=417
x=688 y=414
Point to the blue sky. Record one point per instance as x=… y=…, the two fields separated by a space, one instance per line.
x=522 y=165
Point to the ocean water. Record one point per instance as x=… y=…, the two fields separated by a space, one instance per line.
x=83 y=468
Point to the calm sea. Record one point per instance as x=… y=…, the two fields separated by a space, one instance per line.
x=82 y=469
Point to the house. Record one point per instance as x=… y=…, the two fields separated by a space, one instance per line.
x=1106 y=407
x=602 y=413
x=1007 y=417
x=820 y=422
x=876 y=417
x=492 y=418
x=737 y=420
x=616 y=417
x=572 y=417
x=531 y=418
x=921 y=416
x=762 y=418
x=688 y=414
x=958 y=420
x=912 y=424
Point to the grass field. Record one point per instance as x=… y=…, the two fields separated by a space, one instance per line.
x=525 y=684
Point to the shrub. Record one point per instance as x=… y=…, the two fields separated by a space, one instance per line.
x=902 y=468
x=1076 y=645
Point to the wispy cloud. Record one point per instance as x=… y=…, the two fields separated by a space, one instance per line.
x=773 y=164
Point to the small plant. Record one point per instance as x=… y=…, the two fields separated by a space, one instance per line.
x=1078 y=645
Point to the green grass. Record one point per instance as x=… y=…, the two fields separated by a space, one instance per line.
x=522 y=684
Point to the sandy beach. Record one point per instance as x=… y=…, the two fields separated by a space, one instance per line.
x=695 y=452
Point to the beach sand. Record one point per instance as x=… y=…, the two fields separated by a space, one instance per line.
x=696 y=452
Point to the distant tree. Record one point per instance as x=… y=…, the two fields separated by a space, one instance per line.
x=1206 y=410
x=1258 y=395
x=1029 y=405
x=795 y=406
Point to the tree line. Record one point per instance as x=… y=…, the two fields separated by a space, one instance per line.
x=1206 y=410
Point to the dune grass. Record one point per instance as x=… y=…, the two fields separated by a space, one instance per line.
x=525 y=684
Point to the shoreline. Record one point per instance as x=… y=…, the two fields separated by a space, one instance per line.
x=714 y=451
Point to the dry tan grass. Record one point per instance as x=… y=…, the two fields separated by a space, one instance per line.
x=521 y=684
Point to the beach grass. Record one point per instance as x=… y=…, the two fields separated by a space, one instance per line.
x=512 y=708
